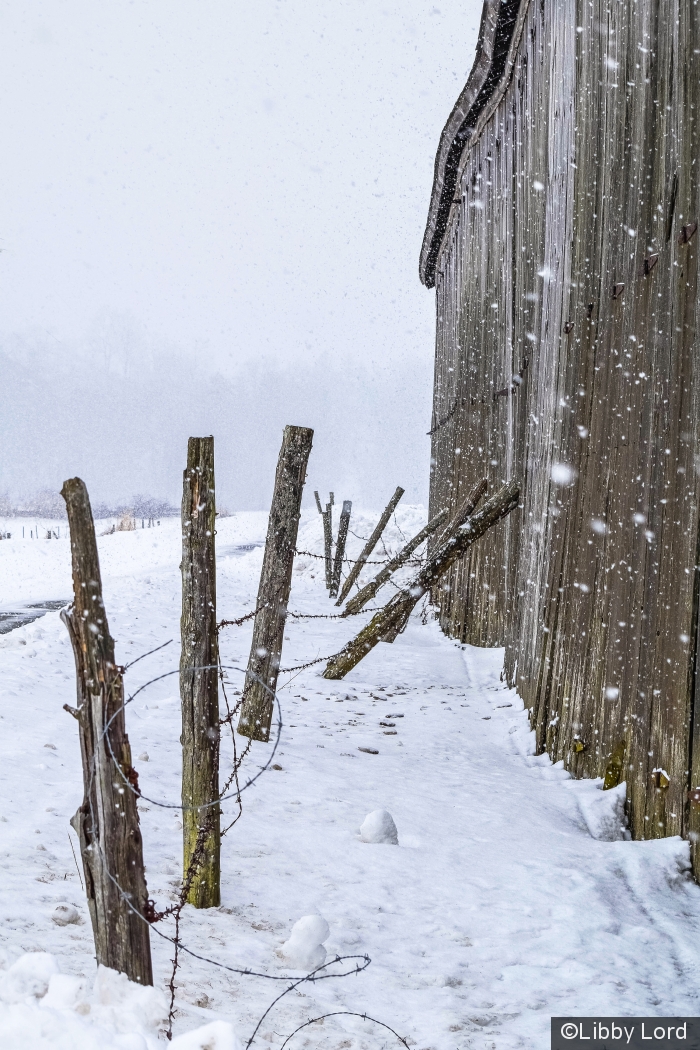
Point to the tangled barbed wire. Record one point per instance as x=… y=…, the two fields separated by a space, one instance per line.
x=149 y=913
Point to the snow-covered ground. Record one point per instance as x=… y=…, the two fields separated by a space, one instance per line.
x=512 y=895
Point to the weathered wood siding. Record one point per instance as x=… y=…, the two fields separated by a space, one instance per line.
x=581 y=164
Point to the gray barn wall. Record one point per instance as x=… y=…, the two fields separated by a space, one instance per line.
x=570 y=158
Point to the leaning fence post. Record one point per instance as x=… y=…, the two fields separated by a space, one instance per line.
x=370 y=544
x=343 y=527
x=107 y=822
x=199 y=679
x=275 y=584
x=392 y=619
x=358 y=602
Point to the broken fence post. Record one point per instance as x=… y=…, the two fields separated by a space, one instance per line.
x=370 y=545
x=275 y=585
x=343 y=527
x=199 y=680
x=392 y=619
x=358 y=602
x=107 y=822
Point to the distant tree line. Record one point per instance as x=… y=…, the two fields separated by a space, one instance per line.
x=46 y=503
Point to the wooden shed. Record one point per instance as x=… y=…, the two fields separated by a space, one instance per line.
x=562 y=243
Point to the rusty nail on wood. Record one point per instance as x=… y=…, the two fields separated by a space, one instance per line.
x=568 y=327
x=589 y=310
x=649 y=263
x=687 y=233
x=618 y=289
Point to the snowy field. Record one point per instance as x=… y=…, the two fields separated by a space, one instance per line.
x=512 y=895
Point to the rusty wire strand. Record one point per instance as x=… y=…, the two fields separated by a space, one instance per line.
x=343 y=1013
x=361 y=961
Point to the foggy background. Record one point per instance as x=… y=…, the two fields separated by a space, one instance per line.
x=210 y=221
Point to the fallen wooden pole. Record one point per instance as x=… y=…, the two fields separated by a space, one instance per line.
x=343 y=526
x=370 y=545
x=465 y=509
x=275 y=585
x=392 y=619
x=199 y=679
x=107 y=822
x=358 y=602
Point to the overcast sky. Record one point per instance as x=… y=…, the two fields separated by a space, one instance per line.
x=234 y=187
x=242 y=177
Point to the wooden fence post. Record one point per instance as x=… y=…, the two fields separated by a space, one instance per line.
x=392 y=619
x=358 y=602
x=370 y=544
x=328 y=541
x=275 y=585
x=199 y=679
x=343 y=526
x=107 y=822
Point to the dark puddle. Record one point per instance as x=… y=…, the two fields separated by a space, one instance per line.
x=235 y=549
x=10 y=619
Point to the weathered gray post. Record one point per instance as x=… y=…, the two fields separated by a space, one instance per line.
x=370 y=544
x=328 y=540
x=358 y=602
x=392 y=619
x=275 y=584
x=343 y=526
x=107 y=822
x=199 y=678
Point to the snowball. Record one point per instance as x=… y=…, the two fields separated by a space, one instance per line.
x=379 y=827
x=304 y=950
x=65 y=914
x=215 y=1036
x=28 y=976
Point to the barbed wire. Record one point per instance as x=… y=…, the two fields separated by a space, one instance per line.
x=348 y=561
x=361 y=962
x=344 y=1013
x=310 y=663
x=332 y=616
x=135 y=790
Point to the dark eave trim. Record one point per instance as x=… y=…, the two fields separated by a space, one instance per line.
x=498 y=21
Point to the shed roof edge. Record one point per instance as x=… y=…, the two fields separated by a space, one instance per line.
x=498 y=21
